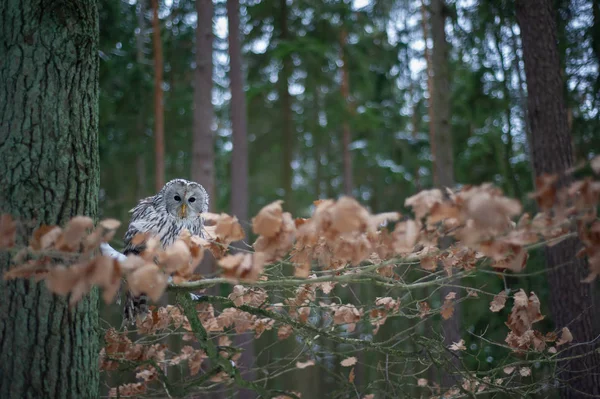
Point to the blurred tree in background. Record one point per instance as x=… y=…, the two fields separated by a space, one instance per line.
x=341 y=97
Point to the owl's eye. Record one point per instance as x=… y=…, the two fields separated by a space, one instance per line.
x=177 y=198
x=192 y=199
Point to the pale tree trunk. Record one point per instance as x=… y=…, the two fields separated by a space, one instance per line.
x=140 y=163
x=430 y=91
x=239 y=163
x=346 y=134
x=444 y=160
x=203 y=161
x=286 y=112
x=49 y=172
x=571 y=300
x=159 y=122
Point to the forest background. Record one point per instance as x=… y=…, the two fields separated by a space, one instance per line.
x=300 y=101
x=338 y=98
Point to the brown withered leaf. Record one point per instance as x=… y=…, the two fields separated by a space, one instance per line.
x=278 y=245
x=458 y=346
x=565 y=337
x=44 y=237
x=74 y=233
x=348 y=362
x=424 y=309
x=441 y=211
x=149 y=280
x=491 y=211
x=422 y=202
x=405 y=236
x=545 y=193
x=228 y=228
x=429 y=263
x=303 y=365
x=381 y=219
x=515 y=261
x=525 y=371
x=499 y=301
x=176 y=257
x=348 y=216
x=8 y=231
x=351 y=376
x=268 y=220
x=448 y=306
x=110 y=224
x=27 y=270
x=284 y=332
x=242 y=266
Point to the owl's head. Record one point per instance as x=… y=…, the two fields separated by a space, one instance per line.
x=184 y=199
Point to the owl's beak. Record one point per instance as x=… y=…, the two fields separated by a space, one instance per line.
x=182 y=211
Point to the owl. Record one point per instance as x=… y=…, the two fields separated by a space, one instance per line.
x=176 y=207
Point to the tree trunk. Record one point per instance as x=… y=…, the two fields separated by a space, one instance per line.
x=239 y=163
x=430 y=91
x=444 y=160
x=203 y=161
x=140 y=163
x=49 y=172
x=571 y=300
x=286 y=112
x=346 y=134
x=514 y=189
x=159 y=122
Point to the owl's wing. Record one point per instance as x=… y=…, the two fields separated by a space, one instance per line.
x=141 y=222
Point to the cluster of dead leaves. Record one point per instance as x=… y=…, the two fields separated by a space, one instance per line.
x=80 y=239
x=526 y=312
x=384 y=307
x=338 y=233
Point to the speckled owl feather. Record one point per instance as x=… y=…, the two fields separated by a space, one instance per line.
x=164 y=215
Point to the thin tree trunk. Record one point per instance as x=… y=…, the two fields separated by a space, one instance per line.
x=49 y=172
x=159 y=123
x=571 y=300
x=239 y=166
x=444 y=160
x=286 y=105
x=346 y=134
x=140 y=163
x=514 y=191
x=430 y=110
x=203 y=161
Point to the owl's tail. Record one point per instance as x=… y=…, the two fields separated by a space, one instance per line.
x=134 y=307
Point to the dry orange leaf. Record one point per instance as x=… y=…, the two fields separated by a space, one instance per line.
x=499 y=301
x=268 y=221
x=350 y=361
x=565 y=337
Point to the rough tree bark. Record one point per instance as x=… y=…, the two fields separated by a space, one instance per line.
x=239 y=162
x=286 y=110
x=159 y=121
x=49 y=172
x=444 y=159
x=203 y=161
x=571 y=300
